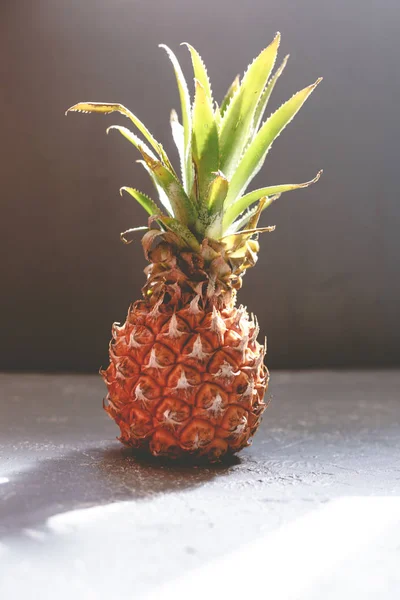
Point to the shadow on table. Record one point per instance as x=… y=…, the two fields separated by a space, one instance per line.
x=90 y=477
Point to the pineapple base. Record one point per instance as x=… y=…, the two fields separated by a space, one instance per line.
x=187 y=382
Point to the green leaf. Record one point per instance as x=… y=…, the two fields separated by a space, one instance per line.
x=205 y=151
x=148 y=204
x=166 y=161
x=186 y=118
x=217 y=192
x=178 y=136
x=271 y=192
x=131 y=137
x=255 y=154
x=142 y=147
x=164 y=200
x=229 y=94
x=200 y=71
x=262 y=104
x=182 y=232
x=238 y=117
x=182 y=206
x=215 y=201
x=108 y=108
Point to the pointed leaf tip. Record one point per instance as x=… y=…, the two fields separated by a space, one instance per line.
x=77 y=108
x=275 y=42
x=72 y=108
x=145 y=201
x=186 y=117
x=229 y=95
x=131 y=137
x=265 y=96
x=237 y=121
x=200 y=71
x=110 y=107
x=256 y=152
x=271 y=192
x=318 y=175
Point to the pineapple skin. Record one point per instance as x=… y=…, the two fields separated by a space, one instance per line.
x=188 y=381
x=186 y=374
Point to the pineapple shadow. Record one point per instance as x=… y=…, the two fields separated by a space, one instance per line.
x=92 y=477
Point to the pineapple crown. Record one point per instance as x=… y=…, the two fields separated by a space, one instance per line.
x=221 y=148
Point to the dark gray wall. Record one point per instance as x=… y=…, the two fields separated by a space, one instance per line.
x=326 y=288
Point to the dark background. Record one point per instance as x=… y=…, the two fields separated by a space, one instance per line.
x=326 y=288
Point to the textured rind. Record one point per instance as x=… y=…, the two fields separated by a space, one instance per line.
x=186 y=381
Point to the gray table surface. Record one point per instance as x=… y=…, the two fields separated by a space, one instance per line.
x=81 y=517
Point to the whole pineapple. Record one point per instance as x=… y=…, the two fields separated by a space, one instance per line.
x=186 y=371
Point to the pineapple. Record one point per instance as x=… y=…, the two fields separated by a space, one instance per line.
x=186 y=373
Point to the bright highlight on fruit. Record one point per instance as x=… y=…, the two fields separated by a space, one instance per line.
x=186 y=373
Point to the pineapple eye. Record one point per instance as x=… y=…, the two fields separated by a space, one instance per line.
x=241 y=388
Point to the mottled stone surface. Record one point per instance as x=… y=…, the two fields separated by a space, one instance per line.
x=81 y=517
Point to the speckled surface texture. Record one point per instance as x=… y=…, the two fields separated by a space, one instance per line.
x=80 y=517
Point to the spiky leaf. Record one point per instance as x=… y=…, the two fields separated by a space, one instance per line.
x=217 y=192
x=216 y=196
x=269 y=192
x=178 y=136
x=132 y=138
x=181 y=231
x=182 y=206
x=238 y=118
x=147 y=203
x=255 y=155
x=143 y=148
x=186 y=118
x=108 y=108
x=164 y=200
x=200 y=71
x=229 y=95
x=205 y=142
x=262 y=104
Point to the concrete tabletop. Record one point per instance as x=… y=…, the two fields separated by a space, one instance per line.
x=310 y=510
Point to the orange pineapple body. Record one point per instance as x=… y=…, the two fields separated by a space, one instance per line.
x=176 y=387
x=186 y=371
